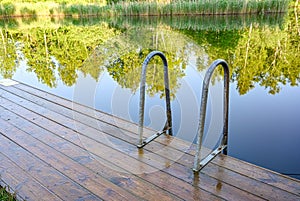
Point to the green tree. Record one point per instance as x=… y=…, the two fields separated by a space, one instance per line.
x=8 y=56
x=47 y=50
x=123 y=57
x=268 y=56
x=126 y=70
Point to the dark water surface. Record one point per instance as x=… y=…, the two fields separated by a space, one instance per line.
x=97 y=62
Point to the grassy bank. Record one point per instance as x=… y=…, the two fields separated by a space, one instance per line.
x=5 y=196
x=142 y=8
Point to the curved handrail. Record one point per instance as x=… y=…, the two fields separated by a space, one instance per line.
x=198 y=165
x=168 y=125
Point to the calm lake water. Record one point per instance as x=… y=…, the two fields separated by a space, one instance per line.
x=97 y=62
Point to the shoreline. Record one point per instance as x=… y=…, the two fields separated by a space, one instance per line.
x=197 y=8
x=140 y=15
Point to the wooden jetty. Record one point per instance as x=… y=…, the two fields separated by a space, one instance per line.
x=54 y=149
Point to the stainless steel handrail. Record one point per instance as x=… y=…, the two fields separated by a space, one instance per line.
x=198 y=163
x=168 y=124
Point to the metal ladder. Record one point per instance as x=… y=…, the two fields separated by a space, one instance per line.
x=198 y=164
x=168 y=124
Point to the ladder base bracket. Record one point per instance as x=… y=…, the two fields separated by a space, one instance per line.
x=209 y=157
x=150 y=139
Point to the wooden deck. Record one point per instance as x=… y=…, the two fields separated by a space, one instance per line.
x=53 y=149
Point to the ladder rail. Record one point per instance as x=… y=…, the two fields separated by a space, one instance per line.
x=168 y=125
x=198 y=163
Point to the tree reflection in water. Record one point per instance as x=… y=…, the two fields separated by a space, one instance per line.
x=256 y=52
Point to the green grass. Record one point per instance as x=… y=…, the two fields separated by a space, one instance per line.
x=5 y=196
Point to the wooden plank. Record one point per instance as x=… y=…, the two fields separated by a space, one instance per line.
x=94 y=183
x=63 y=187
x=265 y=194
x=282 y=187
x=21 y=183
x=261 y=189
x=76 y=110
x=104 y=126
x=53 y=98
x=261 y=174
x=179 y=187
x=158 y=164
x=106 y=169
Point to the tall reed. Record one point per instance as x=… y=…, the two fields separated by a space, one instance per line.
x=147 y=8
x=197 y=23
x=196 y=7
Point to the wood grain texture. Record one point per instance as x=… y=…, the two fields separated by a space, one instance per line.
x=53 y=149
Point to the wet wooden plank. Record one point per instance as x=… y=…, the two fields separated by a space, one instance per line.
x=78 y=173
x=22 y=184
x=162 y=164
x=124 y=125
x=185 y=189
x=108 y=128
x=100 y=119
x=148 y=163
x=62 y=186
x=77 y=109
x=179 y=187
x=269 y=177
x=82 y=156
